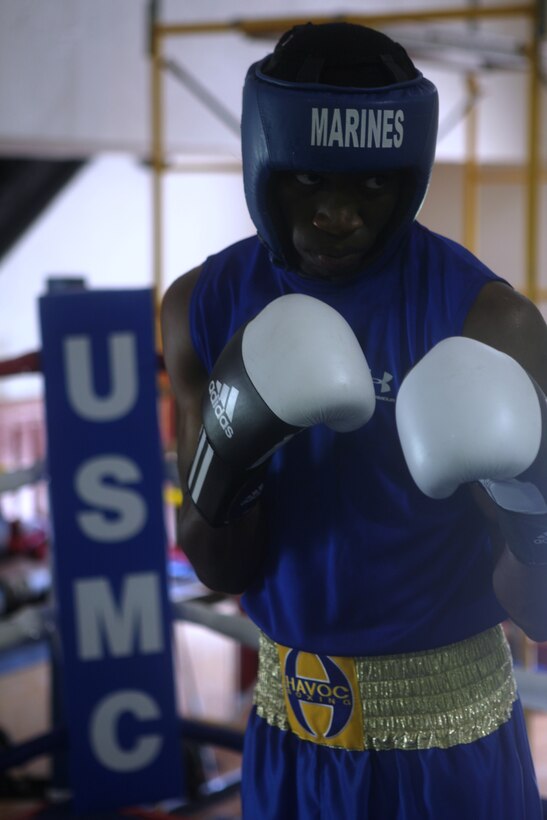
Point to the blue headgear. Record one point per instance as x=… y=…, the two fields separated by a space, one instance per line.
x=313 y=127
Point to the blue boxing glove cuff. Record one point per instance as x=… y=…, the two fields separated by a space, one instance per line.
x=526 y=535
x=522 y=502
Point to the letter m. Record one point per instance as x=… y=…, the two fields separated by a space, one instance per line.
x=319 y=126
x=134 y=626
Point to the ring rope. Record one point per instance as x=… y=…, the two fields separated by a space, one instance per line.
x=19 y=478
x=32 y=363
x=238 y=627
x=35 y=623
x=26 y=363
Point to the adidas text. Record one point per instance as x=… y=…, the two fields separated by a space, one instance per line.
x=223 y=399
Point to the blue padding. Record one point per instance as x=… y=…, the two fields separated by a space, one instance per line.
x=109 y=547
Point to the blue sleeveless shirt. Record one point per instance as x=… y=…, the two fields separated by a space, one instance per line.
x=359 y=561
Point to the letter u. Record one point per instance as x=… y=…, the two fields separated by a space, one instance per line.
x=122 y=359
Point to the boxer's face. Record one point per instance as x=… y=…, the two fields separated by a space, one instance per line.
x=334 y=220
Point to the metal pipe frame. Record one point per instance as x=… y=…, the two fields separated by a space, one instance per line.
x=158 y=163
x=534 y=164
x=470 y=171
x=534 y=12
x=275 y=26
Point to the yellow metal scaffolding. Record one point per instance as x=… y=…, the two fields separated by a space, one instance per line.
x=474 y=175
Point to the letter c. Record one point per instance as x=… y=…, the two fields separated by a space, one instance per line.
x=103 y=731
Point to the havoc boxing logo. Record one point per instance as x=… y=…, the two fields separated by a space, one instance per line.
x=321 y=701
x=223 y=401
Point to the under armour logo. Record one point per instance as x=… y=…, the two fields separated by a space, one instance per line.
x=385 y=386
x=384 y=382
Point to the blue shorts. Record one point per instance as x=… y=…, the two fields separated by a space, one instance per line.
x=286 y=778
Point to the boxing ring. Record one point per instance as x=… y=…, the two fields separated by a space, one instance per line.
x=141 y=762
x=104 y=616
x=37 y=620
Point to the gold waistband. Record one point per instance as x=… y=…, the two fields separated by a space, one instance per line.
x=437 y=698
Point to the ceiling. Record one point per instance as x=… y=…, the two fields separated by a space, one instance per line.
x=76 y=80
x=75 y=75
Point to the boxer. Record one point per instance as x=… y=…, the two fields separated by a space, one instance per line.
x=365 y=551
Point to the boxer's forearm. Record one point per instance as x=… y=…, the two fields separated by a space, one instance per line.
x=225 y=559
x=521 y=590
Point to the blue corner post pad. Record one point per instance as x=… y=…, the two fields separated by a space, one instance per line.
x=109 y=552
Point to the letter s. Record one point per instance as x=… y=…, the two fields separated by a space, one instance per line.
x=399 y=129
x=129 y=506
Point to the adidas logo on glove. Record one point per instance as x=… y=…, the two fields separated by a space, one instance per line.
x=223 y=400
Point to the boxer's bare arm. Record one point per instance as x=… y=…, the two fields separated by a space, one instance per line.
x=507 y=321
x=226 y=559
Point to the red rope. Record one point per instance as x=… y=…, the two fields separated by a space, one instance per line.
x=28 y=363
x=32 y=363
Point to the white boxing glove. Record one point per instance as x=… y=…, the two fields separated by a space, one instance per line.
x=296 y=364
x=306 y=363
x=467 y=412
